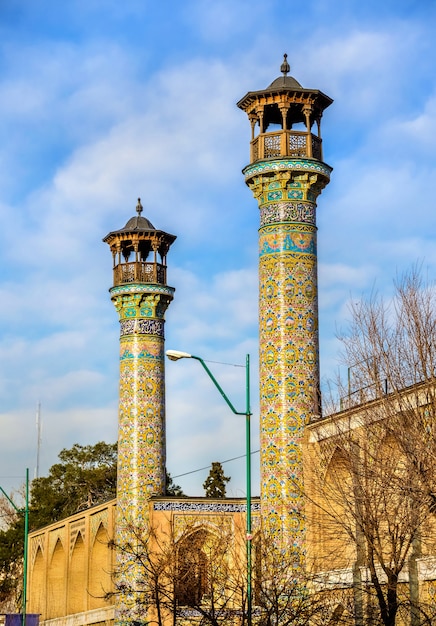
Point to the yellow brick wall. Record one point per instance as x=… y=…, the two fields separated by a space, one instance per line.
x=70 y=565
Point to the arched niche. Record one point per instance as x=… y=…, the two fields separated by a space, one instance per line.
x=100 y=570
x=193 y=563
x=336 y=516
x=37 y=590
x=77 y=577
x=56 y=577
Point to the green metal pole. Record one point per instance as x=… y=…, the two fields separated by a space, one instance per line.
x=25 y=546
x=216 y=383
x=248 y=489
x=247 y=414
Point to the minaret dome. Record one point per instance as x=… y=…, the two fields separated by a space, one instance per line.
x=284 y=115
x=139 y=251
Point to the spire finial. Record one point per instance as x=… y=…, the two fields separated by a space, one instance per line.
x=284 y=68
x=139 y=207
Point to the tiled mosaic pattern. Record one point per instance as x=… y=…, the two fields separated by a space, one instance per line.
x=288 y=335
x=141 y=424
x=204 y=507
x=185 y=524
x=287 y=212
x=287 y=166
x=288 y=374
x=141 y=434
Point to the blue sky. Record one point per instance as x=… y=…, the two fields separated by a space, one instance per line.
x=102 y=102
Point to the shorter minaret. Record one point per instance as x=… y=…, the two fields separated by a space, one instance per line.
x=141 y=296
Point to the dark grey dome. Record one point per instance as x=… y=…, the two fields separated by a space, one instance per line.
x=139 y=223
x=285 y=82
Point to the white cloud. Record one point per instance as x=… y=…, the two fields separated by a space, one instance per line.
x=413 y=133
x=92 y=121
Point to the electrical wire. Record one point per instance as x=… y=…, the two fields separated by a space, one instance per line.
x=201 y=469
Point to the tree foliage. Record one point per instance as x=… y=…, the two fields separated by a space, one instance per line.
x=215 y=483
x=171 y=489
x=11 y=554
x=85 y=476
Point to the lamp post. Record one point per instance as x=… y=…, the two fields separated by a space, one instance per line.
x=175 y=355
x=25 y=547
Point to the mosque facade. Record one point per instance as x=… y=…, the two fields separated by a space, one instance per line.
x=77 y=572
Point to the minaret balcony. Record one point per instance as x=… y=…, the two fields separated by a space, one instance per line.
x=140 y=272
x=286 y=143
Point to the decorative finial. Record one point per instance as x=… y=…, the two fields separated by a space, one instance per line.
x=284 y=68
x=139 y=207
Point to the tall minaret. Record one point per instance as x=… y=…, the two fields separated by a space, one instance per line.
x=141 y=296
x=286 y=174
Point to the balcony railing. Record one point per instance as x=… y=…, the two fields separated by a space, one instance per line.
x=290 y=143
x=140 y=272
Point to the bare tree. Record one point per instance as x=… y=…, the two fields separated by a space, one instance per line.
x=211 y=574
x=144 y=576
x=283 y=596
x=375 y=478
x=195 y=573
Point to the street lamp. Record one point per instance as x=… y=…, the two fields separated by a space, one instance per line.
x=25 y=547
x=175 y=355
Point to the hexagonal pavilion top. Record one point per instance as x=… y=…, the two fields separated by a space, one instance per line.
x=285 y=104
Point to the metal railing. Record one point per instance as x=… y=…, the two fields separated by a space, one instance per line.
x=364 y=394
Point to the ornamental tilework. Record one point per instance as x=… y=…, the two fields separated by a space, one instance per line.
x=140 y=288
x=202 y=507
x=305 y=165
x=287 y=238
x=289 y=380
x=287 y=212
x=183 y=524
x=274 y=195
x=142 y=327
x=141 y=424
x=140 y=305
x=288 y=341
x=295 y=194
x=141 y=443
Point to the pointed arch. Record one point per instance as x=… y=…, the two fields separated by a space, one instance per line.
x=389 y=453
x=337 y=518
x=37 y=591
x=56 y=578
x=77 y=577
x=336 y=615
x=100 y=569
x=192 y=567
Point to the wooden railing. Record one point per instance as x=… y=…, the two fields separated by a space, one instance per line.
x=140 y=272
x=290 y=143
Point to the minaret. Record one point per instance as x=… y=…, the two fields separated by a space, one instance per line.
x=141 y=296
x=286 y=174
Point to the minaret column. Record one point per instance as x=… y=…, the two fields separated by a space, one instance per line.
x=286 y=175
x=141 y=418
x=288 y=337
x=141 y=297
